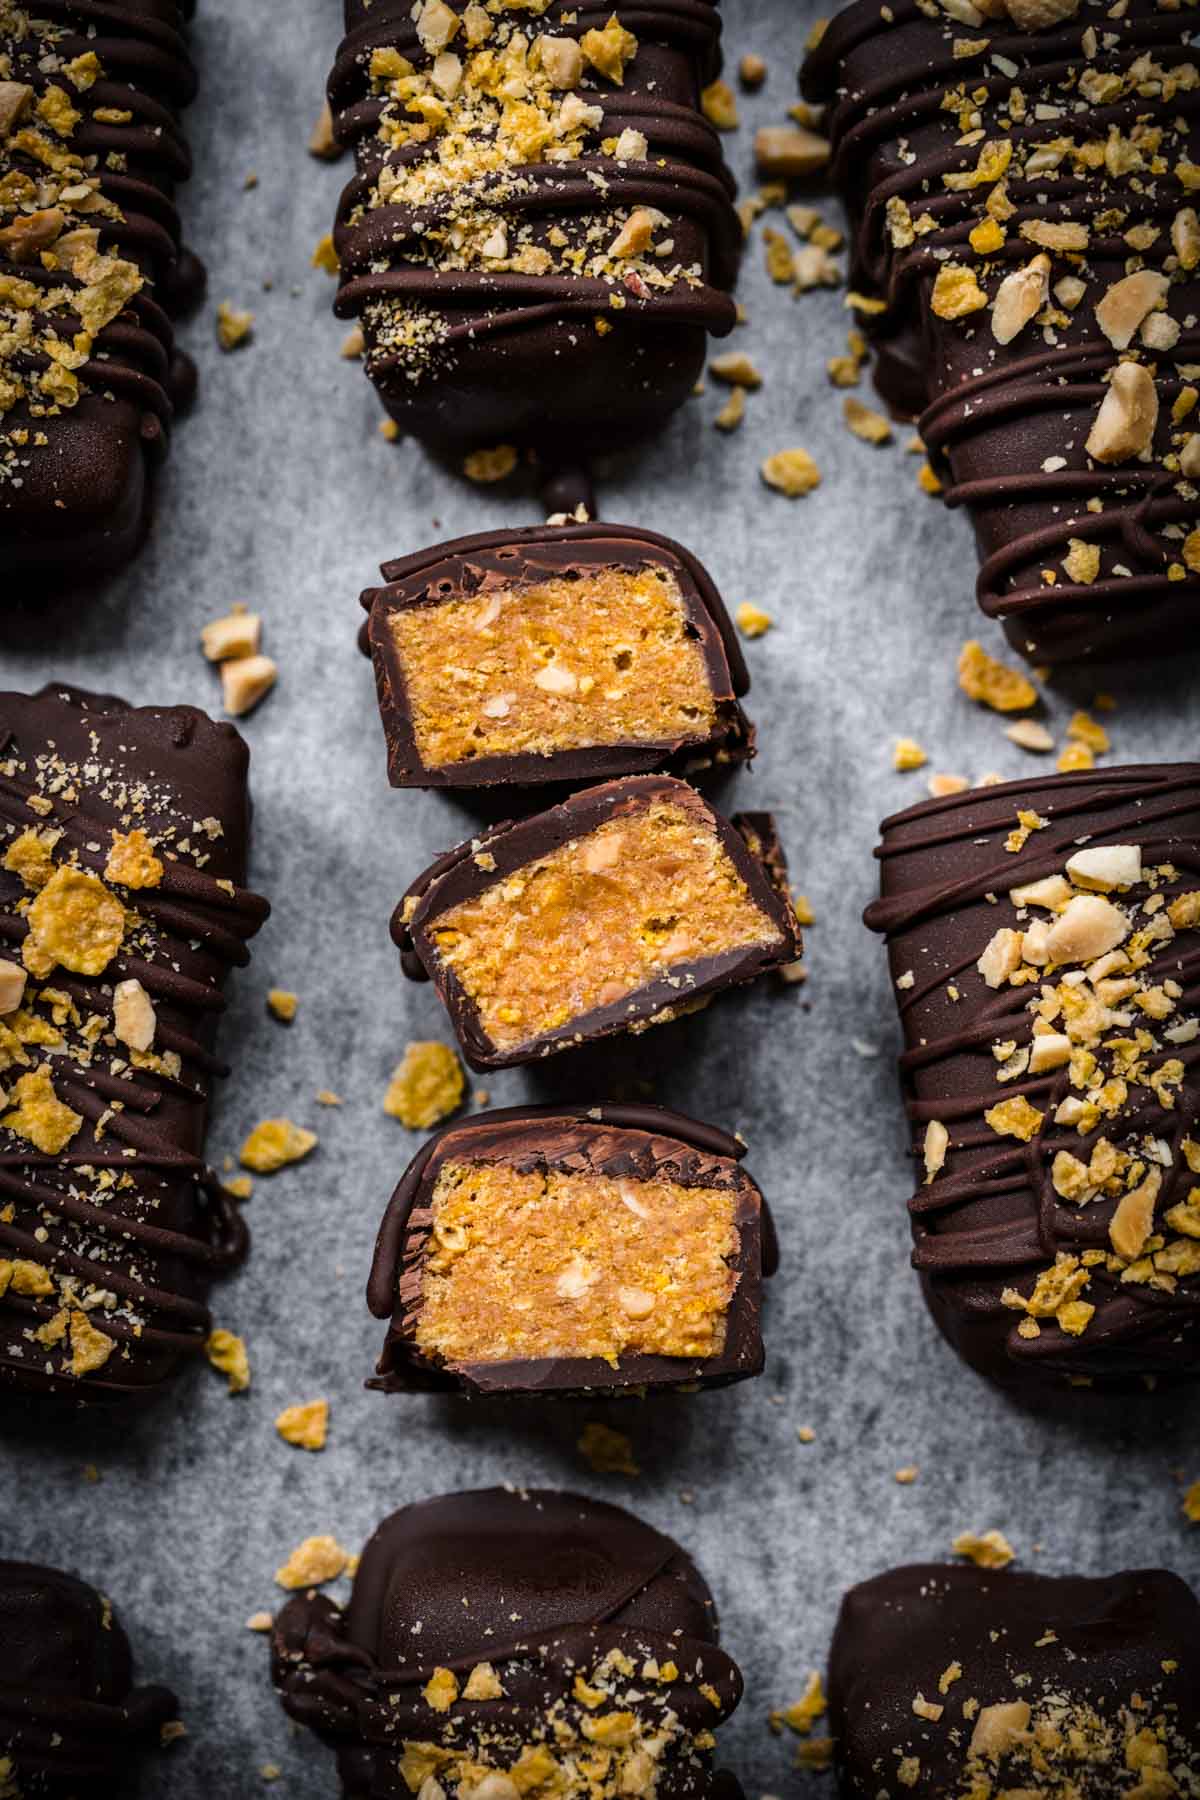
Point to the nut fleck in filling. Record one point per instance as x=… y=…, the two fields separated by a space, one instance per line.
x=544 y=1263
x=554 y=665
x=627 y=904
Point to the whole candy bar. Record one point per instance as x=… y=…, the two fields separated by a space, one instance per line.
x=552 y=1249
x=540 y=233
x=123 y=840
x=504 y=1642
x=955 y=1680
x=557 y=653
x=91 y=273
x=71 y=1719
x=1021 y=179
x=1044 y=943
x=627 y=905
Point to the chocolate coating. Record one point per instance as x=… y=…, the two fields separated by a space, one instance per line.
x=542 y=1586
x=477 y=346
x=637 y=1142
x=993 y=1220
x=71 y=1719
x=126 y=1207
x=1006 y=424
x=1112 y=1659
x=76 y=504
x=497 y=559
x=457 y=876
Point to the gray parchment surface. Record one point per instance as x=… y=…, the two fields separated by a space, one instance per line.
x=281 y=493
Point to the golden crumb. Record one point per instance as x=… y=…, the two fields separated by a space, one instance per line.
x=322 y=142
x=987 y=1550
x=389 y=431
x=1191 y=1503
x=806 y=1434
x=752 y=621
x=907 y=1475
x=312 y=1563
x=274 y=1144
x=815 y=1754
x=908 y=754
x=171 y=1731
x=718 y=102
x=1015 y=1118
x=791 y=472
x=733 y=412
x=485 y=466
x=865 y=422
x=803 y=1713
x=736 y=369
x=326 y=257
x=39 y=1116
x=233 y=327
x=992 y=683
x=259 y=1621
x=240 y=1186
x=927 y=481
x=441 y=1690
x=752 y=71
x=304 y=1425
x=131 y=861
x=327 y=1097
x=802 y=907
x=282 y=1004
x=1089 y=731
x=942 y=785
x=227 y=1354
x=1075 y=756
x=608 y=1452
x=427 y=1086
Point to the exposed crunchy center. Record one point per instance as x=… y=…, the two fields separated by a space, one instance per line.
x=545 y=1263
x=627 y=904
x=554 y=665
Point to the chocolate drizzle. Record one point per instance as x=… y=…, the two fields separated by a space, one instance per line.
x=127 y=1208
x=633 y=1142
x=1094 y=1681
x=992 y=1221
x=547 y=1590
x=76 y=503
x=465 y=354
x=1005 y=425
x=70 y=1715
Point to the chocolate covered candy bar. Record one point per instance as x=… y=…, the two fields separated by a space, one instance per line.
x=539 y=234
x=1022 y=187
x=91 y=273
x=949 y=1681
x=558 y=653
x=504 y=1643
x=71 y=1719
x=623 y=907
x=552 y=1250
x=123 y=836
x=1044 y=944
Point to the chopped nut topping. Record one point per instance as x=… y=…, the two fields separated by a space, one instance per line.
x=134 y=1018
x=1124 y=426
x=865 y=422
x=1127 y=303
x=245 y=680
x=718 y=102
x=1030 y=735
x=237 y=634
x=282 y=1005
x=784 y=151
x=1019 y=298
x=908 y=754
x=323 y=143
x=736 y=369
x=233 y=328
x=486 y=466
x=956 y=293
x=1106 y=866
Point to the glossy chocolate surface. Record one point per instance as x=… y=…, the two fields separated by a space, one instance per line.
x=127 y=1208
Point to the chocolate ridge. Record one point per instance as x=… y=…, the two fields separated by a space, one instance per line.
x=998 y=1217
x=457 y=876
x=585 y=1578
x=884 y=75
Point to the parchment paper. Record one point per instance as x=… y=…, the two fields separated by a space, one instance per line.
x=281 y=493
